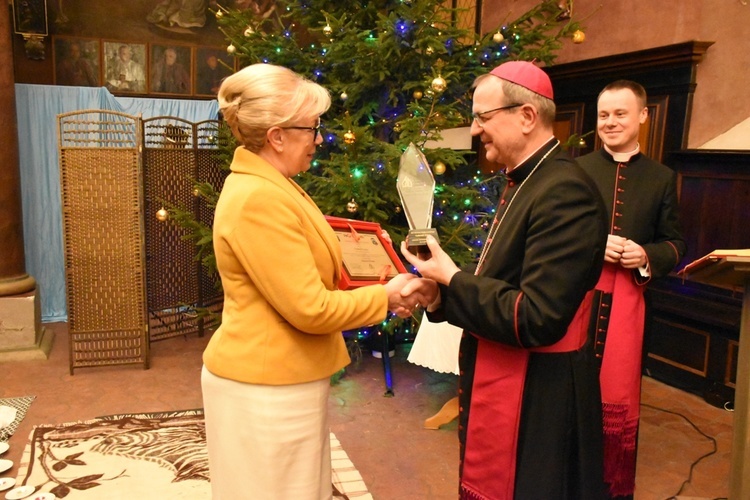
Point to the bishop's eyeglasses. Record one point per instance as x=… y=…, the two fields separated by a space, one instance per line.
x=479 y=118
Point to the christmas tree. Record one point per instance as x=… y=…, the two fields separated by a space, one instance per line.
x=400 y=72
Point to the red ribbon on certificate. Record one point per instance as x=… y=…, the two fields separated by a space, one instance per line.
x=384 y=272
x=355 y=234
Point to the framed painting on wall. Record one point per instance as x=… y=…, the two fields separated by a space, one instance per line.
x=77 y=61
x=170 y=69
x=30 y=17
x=212 y=65
x=124 y=67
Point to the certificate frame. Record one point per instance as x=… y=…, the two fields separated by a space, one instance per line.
x=364 y=265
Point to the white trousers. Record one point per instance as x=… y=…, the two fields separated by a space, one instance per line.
x=267 y=442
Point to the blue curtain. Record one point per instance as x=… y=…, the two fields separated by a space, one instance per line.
x=37 y=107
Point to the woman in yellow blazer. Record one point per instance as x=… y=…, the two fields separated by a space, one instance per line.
x=266 y=370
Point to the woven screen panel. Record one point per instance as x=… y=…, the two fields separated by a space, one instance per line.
x=213 y=168
x=102 y=205
x=171 y=264
x=177 y=154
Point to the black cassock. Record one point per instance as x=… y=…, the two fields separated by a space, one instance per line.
x=547 y=253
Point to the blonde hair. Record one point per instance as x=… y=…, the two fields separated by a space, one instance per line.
x=261 y=96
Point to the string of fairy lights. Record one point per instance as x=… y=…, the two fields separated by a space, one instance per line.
x=421 y=110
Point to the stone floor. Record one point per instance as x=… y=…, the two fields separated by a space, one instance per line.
x=382 y=433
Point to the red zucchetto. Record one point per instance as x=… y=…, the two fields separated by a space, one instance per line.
x=526 y=75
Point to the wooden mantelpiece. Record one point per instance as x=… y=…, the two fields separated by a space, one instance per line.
x=613 y=67
x=667 y=73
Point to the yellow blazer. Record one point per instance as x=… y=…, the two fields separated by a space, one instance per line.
x=280 y=265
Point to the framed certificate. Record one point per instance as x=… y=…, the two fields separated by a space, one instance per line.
x=368 y=257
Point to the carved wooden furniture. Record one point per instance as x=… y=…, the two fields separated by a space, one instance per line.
x=734 y=271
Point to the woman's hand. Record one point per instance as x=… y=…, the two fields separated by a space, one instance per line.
x=398 y=304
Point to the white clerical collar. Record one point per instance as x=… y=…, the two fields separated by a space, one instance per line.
x=623 y=157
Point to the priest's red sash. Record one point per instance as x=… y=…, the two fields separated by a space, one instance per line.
x=489 y=465
x=620 y=377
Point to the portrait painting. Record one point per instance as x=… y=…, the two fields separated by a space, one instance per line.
x=170 y=69
x=30 y=17
x=212 y=65
x=125 y=67
x=77 y=61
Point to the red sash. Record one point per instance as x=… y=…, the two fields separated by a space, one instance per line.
x=489 y=465
x=620 y=377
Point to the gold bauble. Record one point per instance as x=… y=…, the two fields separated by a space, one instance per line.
x=219 y=14
x=249 y=31
x=397 y=127
x=397 y=210
x=231 y=49
x=196 y=192
x=429 y=50
x=581 y=142
x=498 y=37
x=349 y=137
x=327 y=30
x=417 y=94
x=344 y=96
x=162 y=214
x=579 y=36
x=352 y=206
x=439 y=84
x=439 y=167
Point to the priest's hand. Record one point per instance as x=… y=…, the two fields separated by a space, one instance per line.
x=425 y=291
x=439 y=267
x=615 y=248
x=633 y=255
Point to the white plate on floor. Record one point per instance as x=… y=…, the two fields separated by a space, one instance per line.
x=43 y=496
x=7 y=483
x=5 y=465
x=4 y=446
x=20 y=492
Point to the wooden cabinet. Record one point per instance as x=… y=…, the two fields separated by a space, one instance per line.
x=693 y=329
x=692 y=334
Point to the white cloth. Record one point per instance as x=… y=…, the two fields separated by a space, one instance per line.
x=436 y=346
x=267 y=442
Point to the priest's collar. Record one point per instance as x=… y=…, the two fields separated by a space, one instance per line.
x=532 y=161
x=623 y=157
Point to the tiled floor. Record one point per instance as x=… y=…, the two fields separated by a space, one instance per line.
x=383 y=435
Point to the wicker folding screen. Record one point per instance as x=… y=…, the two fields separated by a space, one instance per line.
x=211 y=137
x=102 y=202
x=176 y=154
x=131 y=276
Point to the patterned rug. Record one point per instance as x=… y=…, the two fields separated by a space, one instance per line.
x=146 y=456
x=22 y=406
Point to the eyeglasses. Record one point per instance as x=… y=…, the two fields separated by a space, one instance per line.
x=481 y=121
x=315 y=129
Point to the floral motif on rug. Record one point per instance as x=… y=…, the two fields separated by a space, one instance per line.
x=144 y=456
